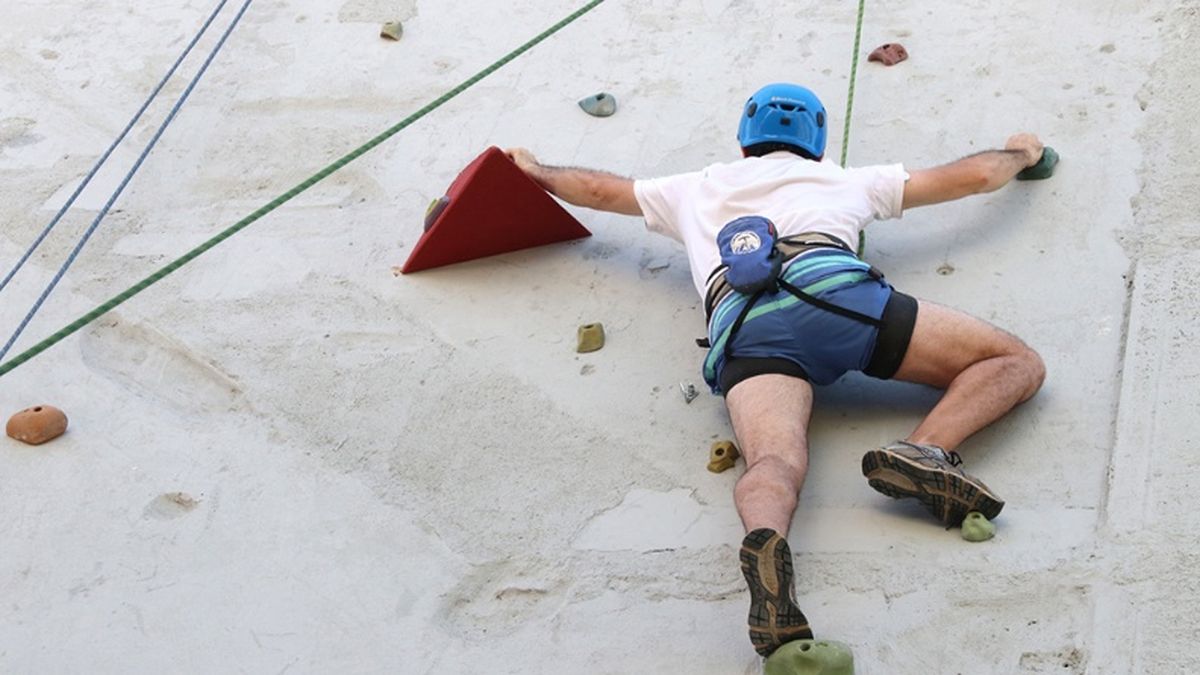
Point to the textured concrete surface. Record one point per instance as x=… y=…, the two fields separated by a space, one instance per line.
x=286 y=458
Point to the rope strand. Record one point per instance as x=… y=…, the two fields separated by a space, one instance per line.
x=862 y=240
x=62 y=271
x=286 y=197
x=107 y=153
x=853 y=77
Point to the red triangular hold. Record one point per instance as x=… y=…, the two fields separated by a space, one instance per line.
x=492 y=207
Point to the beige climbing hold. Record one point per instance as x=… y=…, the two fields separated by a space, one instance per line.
x=170 y=505
x=392 y=30
x=37 y=425
x=722 y=456
x=976 y=527
x=591 y=338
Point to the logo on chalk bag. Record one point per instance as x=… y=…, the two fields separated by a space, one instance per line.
x=745 y=242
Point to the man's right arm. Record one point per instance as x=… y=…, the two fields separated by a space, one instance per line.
x=982 y=172
x=582 y=187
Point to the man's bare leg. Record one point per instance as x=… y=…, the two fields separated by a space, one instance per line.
x=770 y=417
x=986 y=372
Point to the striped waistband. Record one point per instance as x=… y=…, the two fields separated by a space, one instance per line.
x=814 y=271
x=790 y=247
x=817 y=275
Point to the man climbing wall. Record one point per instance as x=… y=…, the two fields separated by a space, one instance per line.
x=819 y=313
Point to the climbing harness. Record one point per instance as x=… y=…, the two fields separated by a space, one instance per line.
x=107 y=153
x=787 y=248
x=124 y=182
x=760 y=273
x=809 y=276
x=196 y=252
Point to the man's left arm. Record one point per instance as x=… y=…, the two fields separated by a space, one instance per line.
x=582 y=187
x=982 y=172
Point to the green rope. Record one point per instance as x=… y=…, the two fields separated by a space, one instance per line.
x=853 y=77
x=862 y=242
x=285 y=197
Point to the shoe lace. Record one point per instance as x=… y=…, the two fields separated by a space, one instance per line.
x=930 y=450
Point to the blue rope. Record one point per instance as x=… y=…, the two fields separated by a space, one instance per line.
x=107 y=153
x=128 y=177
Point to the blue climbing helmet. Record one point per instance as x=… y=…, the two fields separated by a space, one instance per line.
x=784 y=113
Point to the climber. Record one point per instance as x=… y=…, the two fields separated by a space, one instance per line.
x=827 y=313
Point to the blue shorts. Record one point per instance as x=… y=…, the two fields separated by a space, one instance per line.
x=783 y=334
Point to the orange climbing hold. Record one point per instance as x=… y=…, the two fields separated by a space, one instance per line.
x=37 y=425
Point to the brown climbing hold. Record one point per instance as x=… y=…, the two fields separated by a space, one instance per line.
x=37 y=425
x=722 y=456
x=889 y=54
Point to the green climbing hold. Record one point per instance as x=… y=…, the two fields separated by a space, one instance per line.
x=1043 y=169
x=976 y=527
x=810 y=657
x=600 y=105
x=435 y=209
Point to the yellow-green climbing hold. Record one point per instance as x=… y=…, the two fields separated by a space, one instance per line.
x=976 y=527
x=392 y=30
x=722 y=456
x=590 y=338
x=811 y=657
x=434 y=210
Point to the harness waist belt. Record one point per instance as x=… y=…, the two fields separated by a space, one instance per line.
x=789 y=247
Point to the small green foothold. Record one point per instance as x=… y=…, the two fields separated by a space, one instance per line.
x=600 y=105
x=976 y=527
x=392 y=30
x=810 y=657
x=591 y=338
x=1043 y=169
x=435 y=209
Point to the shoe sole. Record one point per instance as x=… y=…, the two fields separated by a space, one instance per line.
x=947 y=495
x=774 y=619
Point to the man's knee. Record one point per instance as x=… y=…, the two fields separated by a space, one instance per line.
x=1023 y=364
x=790 y=467
x=1034 y=369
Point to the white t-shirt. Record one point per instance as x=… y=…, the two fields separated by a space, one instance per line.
x=798 y=195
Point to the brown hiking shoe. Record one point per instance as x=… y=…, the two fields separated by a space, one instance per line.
x=774 y=617
x=931 y=475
